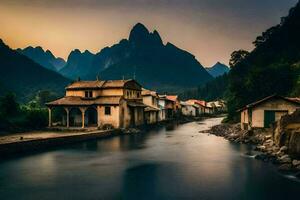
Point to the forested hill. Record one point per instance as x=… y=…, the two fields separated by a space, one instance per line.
x=272 y=67
x=24 y=77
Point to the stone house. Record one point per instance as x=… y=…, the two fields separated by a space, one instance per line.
x=262 y=113
x=150 y=99
x=99 y=103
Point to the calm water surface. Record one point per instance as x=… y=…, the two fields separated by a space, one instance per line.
x=173 y=162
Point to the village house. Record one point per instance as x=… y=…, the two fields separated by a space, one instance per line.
x=162 y=113
x=99 y=103
x=262 y=113
x=189 y=109
x=201 y=105
x=175 y=104
x=150 y=99
x=169 y=106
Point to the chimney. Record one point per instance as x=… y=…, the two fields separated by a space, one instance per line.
x=78 y=79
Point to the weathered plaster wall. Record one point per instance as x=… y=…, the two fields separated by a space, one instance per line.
x=278 y=104
x=112 y=119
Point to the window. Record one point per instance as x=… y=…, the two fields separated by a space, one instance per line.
x=107 y=110
x=138 y=94
x=88 y=94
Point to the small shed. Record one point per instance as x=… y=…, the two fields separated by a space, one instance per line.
x=262 y=113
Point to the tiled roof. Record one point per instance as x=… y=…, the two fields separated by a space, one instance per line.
x=151 y=108
x=172 y=97
x=146 y=92
x=79 y=101
x=115 y=83
x=85 y=84
x=292 y=100
x=97 y=84
x=199 y=102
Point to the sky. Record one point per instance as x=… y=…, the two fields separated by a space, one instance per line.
x=209 y=29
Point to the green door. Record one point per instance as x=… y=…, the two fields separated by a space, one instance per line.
x=269 y=118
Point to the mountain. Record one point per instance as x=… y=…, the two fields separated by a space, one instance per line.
x=78 y=64
x=218 y=69
x=144 y=56
x=25 y=77
x=44 y=58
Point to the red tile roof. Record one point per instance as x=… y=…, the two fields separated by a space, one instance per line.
x=172 y=97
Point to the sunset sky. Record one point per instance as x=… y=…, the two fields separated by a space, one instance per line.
x=209 y=29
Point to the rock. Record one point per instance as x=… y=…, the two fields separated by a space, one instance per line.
x=296 y=162
x=285 y=159
x=283 y=149
x=261 y=148
x=285 y=167
x=268 y=137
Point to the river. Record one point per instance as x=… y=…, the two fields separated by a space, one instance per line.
x=173 y=162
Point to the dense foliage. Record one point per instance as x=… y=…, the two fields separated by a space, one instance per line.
x=33 y=115
x=272 y=67
x=212 y=90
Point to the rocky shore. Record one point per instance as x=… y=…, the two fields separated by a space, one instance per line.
x=263 y=141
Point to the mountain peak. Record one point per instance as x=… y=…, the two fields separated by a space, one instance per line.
x=138 y=33
x=218 y=69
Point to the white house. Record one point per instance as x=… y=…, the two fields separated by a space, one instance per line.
x=262 y=113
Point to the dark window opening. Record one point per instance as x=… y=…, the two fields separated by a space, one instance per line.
x=107 y=110
x=88 y=94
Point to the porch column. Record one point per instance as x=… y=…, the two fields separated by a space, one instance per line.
x=98 y=117
x=82 y=109
x=49 y=117
x=68 y=116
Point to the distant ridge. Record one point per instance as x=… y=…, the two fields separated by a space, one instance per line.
x=44 y=58
x=218 y=69
x=143 y=56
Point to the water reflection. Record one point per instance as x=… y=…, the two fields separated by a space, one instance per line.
x=175 y=162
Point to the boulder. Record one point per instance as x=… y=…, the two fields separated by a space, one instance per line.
x=283 y=149
x=296 y=162
x=285 y=159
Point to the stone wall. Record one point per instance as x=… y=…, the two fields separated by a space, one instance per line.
x=287 y=133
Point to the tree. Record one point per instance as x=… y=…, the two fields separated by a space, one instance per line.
x=8 y=105
x=237 y=57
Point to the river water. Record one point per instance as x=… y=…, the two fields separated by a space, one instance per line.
x=173 y=162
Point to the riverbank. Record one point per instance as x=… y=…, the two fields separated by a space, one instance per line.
x=30 y=142
x=264 y=144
